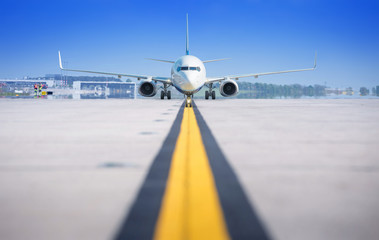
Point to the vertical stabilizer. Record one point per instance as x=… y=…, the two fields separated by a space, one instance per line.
x=187 y=43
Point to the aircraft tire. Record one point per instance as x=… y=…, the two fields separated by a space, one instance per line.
x=162 y=95
x=206 y=95
x=213 y=95
x=168 y=94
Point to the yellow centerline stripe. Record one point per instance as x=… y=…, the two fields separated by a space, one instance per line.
x=190 y=207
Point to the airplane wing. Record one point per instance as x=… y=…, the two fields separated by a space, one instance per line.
x=256 y=75
x=166 y=80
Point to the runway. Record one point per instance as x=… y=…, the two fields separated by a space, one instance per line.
x=113 y=169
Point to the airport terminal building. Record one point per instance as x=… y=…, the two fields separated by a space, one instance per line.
x=105 y=89
x=11 y=85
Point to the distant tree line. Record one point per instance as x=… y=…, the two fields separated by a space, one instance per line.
x=365 y=91
x=264 y=90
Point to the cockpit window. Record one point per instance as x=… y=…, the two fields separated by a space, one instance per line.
x=188 y=68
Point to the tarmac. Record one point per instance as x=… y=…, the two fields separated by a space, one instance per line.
x=71 y=169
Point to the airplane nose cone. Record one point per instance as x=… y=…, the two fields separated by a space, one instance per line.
x=189 y=81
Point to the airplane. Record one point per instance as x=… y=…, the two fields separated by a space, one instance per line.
x=188 y=76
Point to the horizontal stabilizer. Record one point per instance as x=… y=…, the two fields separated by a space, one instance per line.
x=215 y=60
x=160 y=60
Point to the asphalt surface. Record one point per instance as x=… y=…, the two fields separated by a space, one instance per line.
x=310 y=167
x=71 y=169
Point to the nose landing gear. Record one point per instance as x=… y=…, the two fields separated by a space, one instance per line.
x=189 y=102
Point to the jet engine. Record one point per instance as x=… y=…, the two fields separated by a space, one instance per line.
x=147 y=89
x=228 y=88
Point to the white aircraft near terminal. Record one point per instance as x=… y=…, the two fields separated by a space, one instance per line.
x=188 y=76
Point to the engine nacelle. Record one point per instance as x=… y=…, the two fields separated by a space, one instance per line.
x=147 y=89
x=228 y=88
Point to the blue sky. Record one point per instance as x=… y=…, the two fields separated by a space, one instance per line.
x=258 y=36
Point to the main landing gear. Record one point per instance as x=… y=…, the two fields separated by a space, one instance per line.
x=165 y=92
x=210 y=93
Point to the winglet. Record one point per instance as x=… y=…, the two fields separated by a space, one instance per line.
x=315 y=65
x=60 y=60
x=187 y=42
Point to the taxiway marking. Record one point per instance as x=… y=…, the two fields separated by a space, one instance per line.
x=191 y=191
x=190 y=207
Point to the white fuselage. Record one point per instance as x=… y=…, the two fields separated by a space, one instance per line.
x=188 y=74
